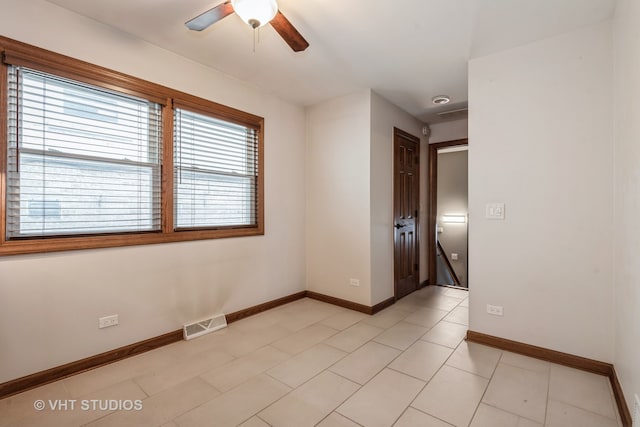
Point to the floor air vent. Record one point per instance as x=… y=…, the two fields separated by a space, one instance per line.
x=202 y=327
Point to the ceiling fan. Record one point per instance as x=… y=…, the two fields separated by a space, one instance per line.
x=256 y=13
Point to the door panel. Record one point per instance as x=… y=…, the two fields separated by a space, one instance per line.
x=405 y=202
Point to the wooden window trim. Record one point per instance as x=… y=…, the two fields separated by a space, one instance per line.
x=18 y=53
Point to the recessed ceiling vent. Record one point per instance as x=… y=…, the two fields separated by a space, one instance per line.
x=205 y=326
x=460 y=113
x=441 y=99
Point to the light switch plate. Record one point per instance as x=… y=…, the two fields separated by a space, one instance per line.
x=494 y=211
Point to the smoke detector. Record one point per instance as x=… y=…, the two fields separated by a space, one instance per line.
x=441 y=99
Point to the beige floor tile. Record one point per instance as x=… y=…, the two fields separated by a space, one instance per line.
x=234 y=373
x=365 y=363
x=353 y=337
x=465 y=302
x=212 y=341
x=441 y=302
x=306 y=312
x=488 y=416
x=560 y=414
x=337 y=420
x=427 y=317
x=170 y=424
x=518 y=391
x=456 y=293
x=77 y=412
x=401 y=335
x=20 y=406
x=237 y=405
x=182 y=370
x=475 y=358
x=311 y=402
x=245 y=342
x=422 y=360
x=343 y=320
x=458 y=315
x=162 y=407
x=523 y=422
x=582 y=389
x=261 y=321
x=254 y=422
x=387 y=317
x=306 y=365
x=525 y=362
x=382 y=400
x=304 y=338
x=411 y=302
x=446 y=333
x=114 y=373
x=452 y=395
x=127 y=390
x=414 y=418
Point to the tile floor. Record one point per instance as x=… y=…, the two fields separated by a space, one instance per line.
x=313 y=364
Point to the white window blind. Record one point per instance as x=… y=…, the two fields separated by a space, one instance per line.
x=216 y=170
x=81 y=159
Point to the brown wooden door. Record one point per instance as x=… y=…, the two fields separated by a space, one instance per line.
x=405 y=207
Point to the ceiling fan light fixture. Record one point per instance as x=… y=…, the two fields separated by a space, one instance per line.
x=256 y=13
x=441 y=99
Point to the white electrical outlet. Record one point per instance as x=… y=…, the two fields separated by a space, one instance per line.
x=636 y=411
x=354 y=282
x=494 y=310
x=105 y=322
x=454 y=257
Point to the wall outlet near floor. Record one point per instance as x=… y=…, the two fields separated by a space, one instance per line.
x=354 y=282
x=494 y=310
x=454 y=257
x=105 y=322
x=636 y=411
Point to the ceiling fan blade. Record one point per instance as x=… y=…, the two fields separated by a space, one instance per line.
x=289 y=33
x=210 y=17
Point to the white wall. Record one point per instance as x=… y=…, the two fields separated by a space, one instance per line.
x=449 y=131
x=155 y=288
x=338 y=197
x=627 y=196
x=540 y=131
x=384 y=117
x=350 y=195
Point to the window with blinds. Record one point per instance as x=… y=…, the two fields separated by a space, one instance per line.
x=82 y=160
x=215 y=172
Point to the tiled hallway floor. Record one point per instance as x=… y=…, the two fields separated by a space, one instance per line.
x=309 y=363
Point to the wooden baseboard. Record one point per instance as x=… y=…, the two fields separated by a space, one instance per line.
x=560 y=358
x=623 y=409
x=339 y=302
x=241 y=314
x=59 y=372
x=382 y=305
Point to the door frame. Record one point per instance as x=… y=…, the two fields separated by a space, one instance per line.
x=432 y=200
x=397 y=132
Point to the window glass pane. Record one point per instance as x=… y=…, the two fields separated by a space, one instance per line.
x=215 y=172
x=82 y=160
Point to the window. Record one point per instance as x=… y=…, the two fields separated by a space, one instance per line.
x=215 y=165
x=81 y=159
x=94 y=158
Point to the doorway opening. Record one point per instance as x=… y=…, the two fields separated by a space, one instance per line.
x=448 y=214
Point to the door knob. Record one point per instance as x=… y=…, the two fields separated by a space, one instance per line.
x=398 y=226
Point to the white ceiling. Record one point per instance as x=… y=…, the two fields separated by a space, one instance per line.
x=406 y=50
